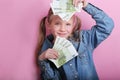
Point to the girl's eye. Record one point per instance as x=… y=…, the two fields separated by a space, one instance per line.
x=68 y=24
x=57 y=23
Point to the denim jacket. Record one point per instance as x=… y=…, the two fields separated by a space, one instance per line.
x=81 y=67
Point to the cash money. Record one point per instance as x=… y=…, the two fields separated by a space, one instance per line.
x=65 y=50
x=65 y=8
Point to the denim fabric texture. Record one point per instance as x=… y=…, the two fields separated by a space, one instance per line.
x=81 y=67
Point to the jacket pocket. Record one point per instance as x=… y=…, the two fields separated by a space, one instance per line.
x=83 y=58
x=83 y=54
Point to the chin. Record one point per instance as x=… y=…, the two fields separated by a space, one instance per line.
x=63 y=36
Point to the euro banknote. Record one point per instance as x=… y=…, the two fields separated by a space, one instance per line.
x=66 y=51
x=65 y=8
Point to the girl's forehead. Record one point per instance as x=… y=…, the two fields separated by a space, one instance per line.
x=56 y=17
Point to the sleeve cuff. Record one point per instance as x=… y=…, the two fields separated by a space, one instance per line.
x=91 y=9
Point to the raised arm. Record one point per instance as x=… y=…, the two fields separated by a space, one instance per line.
x=102 y=29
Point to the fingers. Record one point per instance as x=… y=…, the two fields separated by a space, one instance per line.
x=85 y=3
x=52 y=54
x=49 y=54
x=76 y=2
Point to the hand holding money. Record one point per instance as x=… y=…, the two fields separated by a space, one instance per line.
x=77 y=2
x=66 y=51
x=49 y=54
x=65 y=8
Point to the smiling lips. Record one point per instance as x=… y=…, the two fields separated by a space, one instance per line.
x=62 y=34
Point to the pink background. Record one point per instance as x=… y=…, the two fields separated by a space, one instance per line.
x=19 y=20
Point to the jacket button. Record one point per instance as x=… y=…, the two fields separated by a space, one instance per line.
x=75 y=76
x=70 y=64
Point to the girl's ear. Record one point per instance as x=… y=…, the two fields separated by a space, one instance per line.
x=48 y=29
x=47 y=23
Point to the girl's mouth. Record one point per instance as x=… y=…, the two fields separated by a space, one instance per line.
x=62 y=34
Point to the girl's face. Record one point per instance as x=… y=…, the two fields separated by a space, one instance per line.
x=61 y=28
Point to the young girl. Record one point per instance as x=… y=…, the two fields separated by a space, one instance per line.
x=84 y=41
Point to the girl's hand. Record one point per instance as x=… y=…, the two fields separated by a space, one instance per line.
x=76 y=2
x=49 y=54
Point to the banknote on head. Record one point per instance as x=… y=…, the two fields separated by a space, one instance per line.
x=65 y=8
x=65 y=50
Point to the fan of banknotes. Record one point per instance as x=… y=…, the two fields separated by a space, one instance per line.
x=65 y=50
x=65 y=8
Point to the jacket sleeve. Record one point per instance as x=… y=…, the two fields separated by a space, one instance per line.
x=102 y=29
x=48 y=72
x=48 y=69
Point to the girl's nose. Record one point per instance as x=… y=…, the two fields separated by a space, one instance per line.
x=62 y=28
